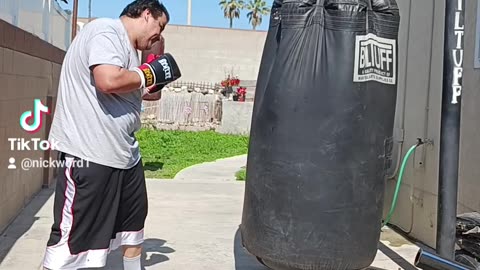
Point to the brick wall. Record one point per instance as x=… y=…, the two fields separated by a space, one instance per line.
x=29 y=69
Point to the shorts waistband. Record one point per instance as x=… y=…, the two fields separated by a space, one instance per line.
x=62 y=156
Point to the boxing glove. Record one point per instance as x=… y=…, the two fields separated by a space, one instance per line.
x=152 y=93
x=153 y=88
x=158 y=72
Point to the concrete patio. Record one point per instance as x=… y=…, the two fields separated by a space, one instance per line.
x=192 y=224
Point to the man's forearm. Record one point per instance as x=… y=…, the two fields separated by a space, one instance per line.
x=128 y=82
x=116 y=80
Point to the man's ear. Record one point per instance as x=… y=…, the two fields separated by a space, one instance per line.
x=145 y=14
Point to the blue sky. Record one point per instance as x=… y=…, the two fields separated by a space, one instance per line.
x=204 y=12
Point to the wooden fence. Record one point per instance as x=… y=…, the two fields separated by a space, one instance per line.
x=184 y=105
x=184 y=109
x=188 y=106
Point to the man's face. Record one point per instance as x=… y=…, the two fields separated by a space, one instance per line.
x=152 y=30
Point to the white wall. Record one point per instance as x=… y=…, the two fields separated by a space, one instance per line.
x=419 y=111
x=208 y=54
x=43 y=18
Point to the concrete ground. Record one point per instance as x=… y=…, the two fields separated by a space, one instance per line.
x=192 y=224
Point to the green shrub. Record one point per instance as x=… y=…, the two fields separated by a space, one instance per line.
x=241 y=175
x=165 y=153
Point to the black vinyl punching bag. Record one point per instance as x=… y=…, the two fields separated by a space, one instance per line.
x=321 y=130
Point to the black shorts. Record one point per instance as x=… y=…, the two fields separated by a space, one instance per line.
x=96 y=209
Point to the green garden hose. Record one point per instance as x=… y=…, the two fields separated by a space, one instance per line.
x=399 y=181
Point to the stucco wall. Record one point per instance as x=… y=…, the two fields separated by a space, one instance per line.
x=209 y=54
x=29 y=69
x=236 y=117
x=418 y=116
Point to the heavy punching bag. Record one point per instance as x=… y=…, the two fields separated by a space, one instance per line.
x=321 y=129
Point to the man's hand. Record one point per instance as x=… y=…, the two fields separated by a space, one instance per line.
x=152 y=97
x=153 y=88
x=158 y=72
x=156 y=94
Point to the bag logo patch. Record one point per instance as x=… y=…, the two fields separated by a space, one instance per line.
x=375 y=59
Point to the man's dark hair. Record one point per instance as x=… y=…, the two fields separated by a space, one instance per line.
x=135 y=9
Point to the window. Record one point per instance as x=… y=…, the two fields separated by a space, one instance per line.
x=477 y=39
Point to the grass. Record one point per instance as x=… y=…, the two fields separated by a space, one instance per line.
x=165 y=153
x=241 y=175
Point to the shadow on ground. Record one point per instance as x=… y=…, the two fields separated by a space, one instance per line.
x=404 y=264
x=23 y=222
x=153 y=166
x=154 y=252
x=244 y=260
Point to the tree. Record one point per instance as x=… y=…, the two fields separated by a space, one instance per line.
x=231 y=9
x=257 y=8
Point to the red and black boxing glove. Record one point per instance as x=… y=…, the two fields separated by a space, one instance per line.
x=153 y=88
x=158 y=71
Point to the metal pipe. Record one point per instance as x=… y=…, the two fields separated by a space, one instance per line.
x=89 y=10
x=428 y=261
x=450 y=127
x=74 y=19
x=189 y=13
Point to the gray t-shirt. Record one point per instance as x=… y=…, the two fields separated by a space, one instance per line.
x=89 y=124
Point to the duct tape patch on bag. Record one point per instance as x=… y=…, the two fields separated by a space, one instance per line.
x=375 y=59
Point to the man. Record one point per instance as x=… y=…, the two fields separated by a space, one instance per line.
x=102 y=205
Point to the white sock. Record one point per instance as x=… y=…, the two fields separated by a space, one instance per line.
x=132 y=263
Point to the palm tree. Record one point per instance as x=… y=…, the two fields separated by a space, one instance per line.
x=231 y=9
x=257 y=8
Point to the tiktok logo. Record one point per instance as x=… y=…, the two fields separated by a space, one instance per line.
x=36 y=114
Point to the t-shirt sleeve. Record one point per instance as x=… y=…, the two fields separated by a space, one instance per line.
x=106 y=48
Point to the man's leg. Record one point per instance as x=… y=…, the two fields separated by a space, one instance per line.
x=87 y=200
x=132 y=257
x=132 y=215
x=132 y=251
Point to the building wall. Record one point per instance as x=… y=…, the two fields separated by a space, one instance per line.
x=236 y=118
x=209 y=54
x=29 y=69
x=470 y=147
x=44 y=19
x=418 y=116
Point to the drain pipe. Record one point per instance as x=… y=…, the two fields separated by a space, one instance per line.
x=428 y=261
x=450 y=128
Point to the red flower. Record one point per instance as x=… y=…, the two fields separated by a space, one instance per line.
x=229 y=81
x=242 y=91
